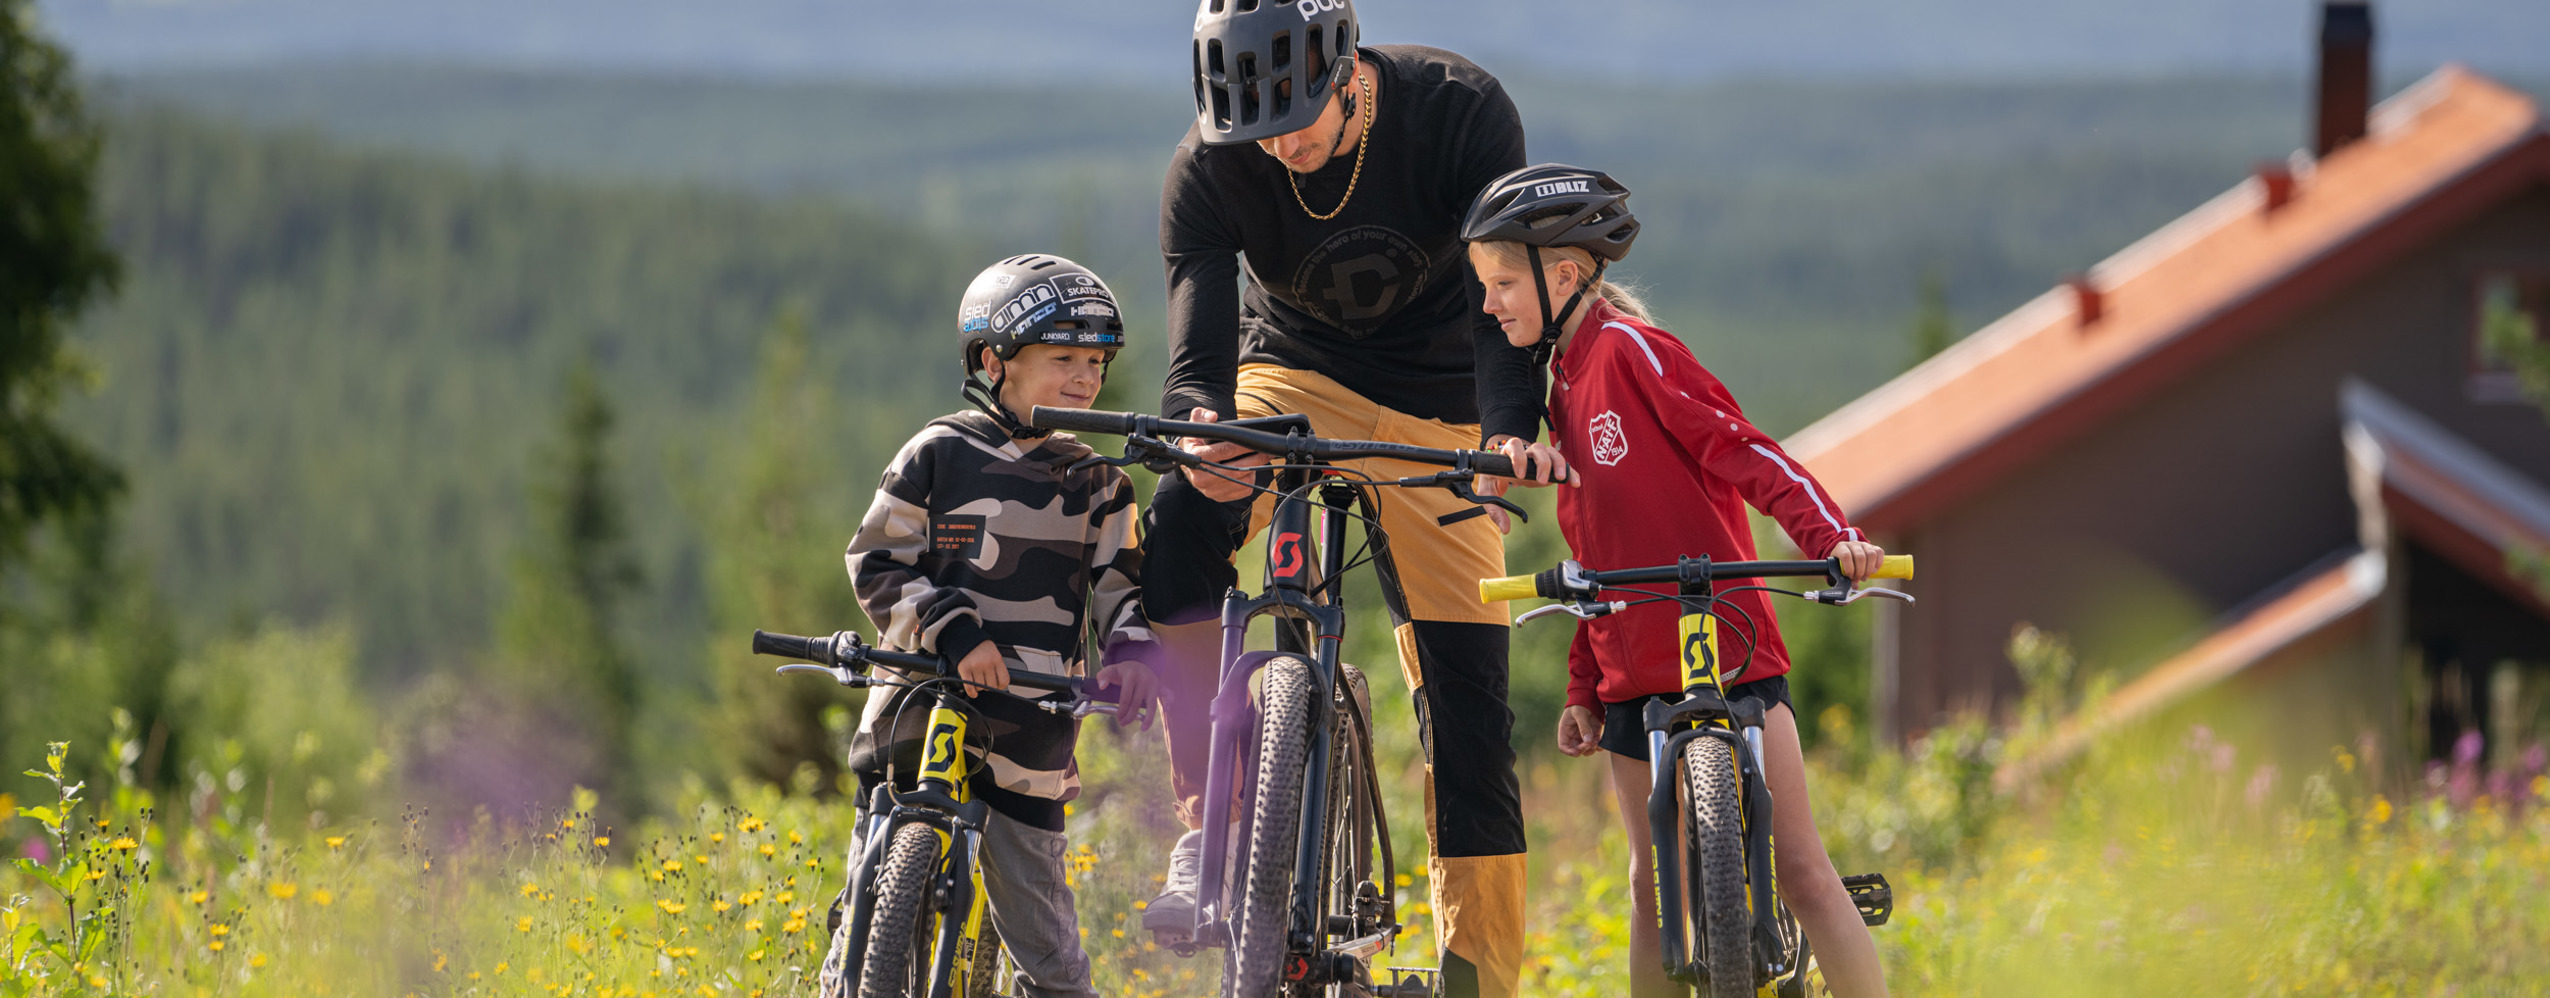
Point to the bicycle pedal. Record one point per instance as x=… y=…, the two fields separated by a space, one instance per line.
x=1409 y=982
x=1874 y=898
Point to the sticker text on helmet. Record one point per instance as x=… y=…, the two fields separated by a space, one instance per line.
x=1562 y=187
x=1311 y=9
x=1040 y=293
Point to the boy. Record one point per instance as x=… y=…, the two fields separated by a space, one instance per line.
x=985 y=547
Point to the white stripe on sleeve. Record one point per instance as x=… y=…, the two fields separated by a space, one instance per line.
x=1848 y=533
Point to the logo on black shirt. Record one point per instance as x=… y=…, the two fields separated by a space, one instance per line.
x=1359 y=278
x=957 y=535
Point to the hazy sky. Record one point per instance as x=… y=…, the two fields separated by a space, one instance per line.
x=1116 y=40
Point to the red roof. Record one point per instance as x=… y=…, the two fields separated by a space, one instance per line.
x=2451 y=146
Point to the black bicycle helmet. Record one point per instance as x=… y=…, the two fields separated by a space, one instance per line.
x=1555 y=205
x=1035 y=298
x=1244 y=48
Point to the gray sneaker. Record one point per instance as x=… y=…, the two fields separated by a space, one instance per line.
x=1173 y=912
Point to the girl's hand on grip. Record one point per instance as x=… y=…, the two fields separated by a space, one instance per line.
x=1580 y=731
x=1859 y=558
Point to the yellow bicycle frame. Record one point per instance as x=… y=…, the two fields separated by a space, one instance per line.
x=944 y=762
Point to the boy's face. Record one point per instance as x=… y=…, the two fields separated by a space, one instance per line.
x=1511 y=297
x=1054 y=376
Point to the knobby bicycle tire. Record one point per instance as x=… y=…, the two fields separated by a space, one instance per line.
x=983 y=979
x=1717 y=835
x=1254 y=965
x=900 y=934
x=1349 y=825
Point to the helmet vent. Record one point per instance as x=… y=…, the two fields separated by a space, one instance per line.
x=1247 y=6
x=1250 y=100
x=1318 y=55
x=1213 y=6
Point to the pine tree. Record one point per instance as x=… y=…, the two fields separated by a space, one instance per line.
x=560 y=631
x=784 y=515
x=1933 y=327
x=54 y=263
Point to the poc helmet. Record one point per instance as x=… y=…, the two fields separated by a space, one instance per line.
x=1555 y=205
x=1036 y=298
x=1245 y=48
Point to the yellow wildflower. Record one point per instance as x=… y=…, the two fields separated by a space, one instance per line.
x=601 y=841
x=214 y=945
x=336 y=842
x=322 y=898
x=256 y=960
x=124 y=843
x=199 y=897
x=522 y=924
x=219 y=930
x=530 y=890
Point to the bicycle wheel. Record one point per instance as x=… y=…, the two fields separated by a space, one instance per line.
x=1349 y=824
x=1714 y=794
x=901 y=933
x=984 y=978
x=1254 y=965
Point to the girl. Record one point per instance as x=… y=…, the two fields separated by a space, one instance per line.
x=1666 y=463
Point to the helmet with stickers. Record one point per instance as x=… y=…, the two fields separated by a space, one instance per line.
x=1554 y=205
x=1265 y=68
x=1026 y=300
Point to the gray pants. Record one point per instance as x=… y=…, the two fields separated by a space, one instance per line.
x=1031 y=909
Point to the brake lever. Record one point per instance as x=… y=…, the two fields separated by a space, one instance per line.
x=1582 y=610
x=1461 y=487
x=1153 y=454
x=1847 y=595
x=839 y=674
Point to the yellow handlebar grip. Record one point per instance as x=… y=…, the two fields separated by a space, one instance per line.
x=1896 y=566
x=1509 y=587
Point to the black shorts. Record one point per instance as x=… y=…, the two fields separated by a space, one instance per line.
x=1625 y=726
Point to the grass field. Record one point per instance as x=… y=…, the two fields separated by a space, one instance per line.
x=2162 y=864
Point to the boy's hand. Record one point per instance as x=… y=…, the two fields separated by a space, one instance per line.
x=983 y=667
x=1860 y=559
x=1217 y=484
x=1580 y=731
x=1141 y=687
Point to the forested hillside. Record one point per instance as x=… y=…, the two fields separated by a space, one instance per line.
x=1791 y=222
x=328 y=370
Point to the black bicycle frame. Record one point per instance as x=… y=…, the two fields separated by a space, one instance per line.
x=1310 y=619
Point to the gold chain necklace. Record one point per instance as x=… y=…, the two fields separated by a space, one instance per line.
x=1372 y=113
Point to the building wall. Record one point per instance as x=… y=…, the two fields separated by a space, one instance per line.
x=2130 y=538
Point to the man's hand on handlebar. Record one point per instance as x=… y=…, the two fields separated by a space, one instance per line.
x=983 y=668
x=1140 y=687
x=1860 y=559
x=1547 y=468
x=1216 y=484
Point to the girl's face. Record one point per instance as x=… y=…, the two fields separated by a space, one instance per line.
x=1511 y=297
x=1053 y=376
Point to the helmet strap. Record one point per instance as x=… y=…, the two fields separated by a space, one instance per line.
x=988 y=399
x=1551 y=322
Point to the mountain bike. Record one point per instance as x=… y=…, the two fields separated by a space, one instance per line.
x=915 y=900
x=1301 y=902
x=1705 y=773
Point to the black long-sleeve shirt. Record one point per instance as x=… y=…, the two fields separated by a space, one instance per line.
x=1381 y=297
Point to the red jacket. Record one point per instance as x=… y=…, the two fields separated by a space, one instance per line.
x=1669 y=463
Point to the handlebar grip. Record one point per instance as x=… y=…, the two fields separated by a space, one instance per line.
x=790 y=646
x=1509 y=587
x=1896 y=566
x=1082 y=420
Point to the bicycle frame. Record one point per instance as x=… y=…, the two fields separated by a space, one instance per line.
x=1311 y=622
x=942 y=801
x=1705 y=713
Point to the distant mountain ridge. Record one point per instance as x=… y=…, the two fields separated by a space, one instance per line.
x=1062 y=41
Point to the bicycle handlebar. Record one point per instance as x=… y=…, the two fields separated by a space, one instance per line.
x=1558 y=584
x=846 y=650
x=1133 y=424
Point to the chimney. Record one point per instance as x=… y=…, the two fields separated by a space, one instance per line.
x=2346 y=73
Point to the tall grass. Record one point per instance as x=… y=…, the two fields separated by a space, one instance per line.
x=2164 y=863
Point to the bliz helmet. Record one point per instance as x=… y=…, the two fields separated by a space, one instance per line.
x=1552 y=205
x=1030 y=299
x=1555 y=205
x=1244 y=48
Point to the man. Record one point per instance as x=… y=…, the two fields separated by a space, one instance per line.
x=1342 y=175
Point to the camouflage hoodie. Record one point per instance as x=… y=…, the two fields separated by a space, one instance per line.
x=974 y=538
